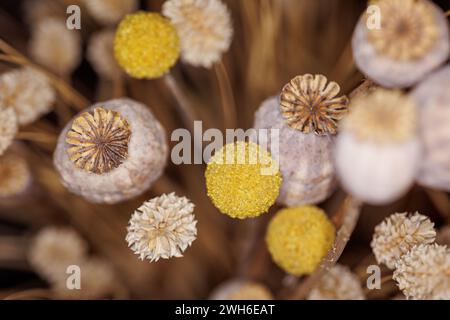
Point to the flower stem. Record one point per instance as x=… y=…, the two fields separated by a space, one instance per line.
x=226 y=94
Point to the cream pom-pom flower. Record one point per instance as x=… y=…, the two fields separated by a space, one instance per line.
x=338 y=284
x=162 y=227
x=8 y=128
x=28 y=92
x=204 y=27
x=423 y=272
x=15 y=175
x=55 y=47
x=397 y=234
x=108 y=12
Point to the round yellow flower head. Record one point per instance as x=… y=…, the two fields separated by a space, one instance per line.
x=146 y=45
x=298 y=238
x=243 y=180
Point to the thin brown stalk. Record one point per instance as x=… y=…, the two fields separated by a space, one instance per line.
x=228 y=104
x=348 y=216
x=440 y=201
x=31 y=294
x=40 y=137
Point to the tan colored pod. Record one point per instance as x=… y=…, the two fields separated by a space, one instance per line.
x=433 y=98
x=411 y=40
x=111 y=152
x=306 y=161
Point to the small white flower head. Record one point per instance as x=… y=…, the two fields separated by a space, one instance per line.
x=28 y=92
x=54 y=249
x=162 y=227
x=8 y=128
x=100 y=54
x=204 y=27
x=109 y=12
x=398 y=233
x=338 y=284
x=15 y=175
x=56 y=47
x=423 y=272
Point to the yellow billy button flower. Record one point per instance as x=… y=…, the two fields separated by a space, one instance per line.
x=243 y=180
x=146 y=45
x=298 y=238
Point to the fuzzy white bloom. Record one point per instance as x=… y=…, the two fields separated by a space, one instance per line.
x=28 y=92
x=8 y=128
x=54 y=249
x=162 y=227
x=204 y=27
x=100 y=54
x=108 y=12
x=56 y=47
x=15 y=175
x=398 y=233
x=338 y=284
x=423 y=272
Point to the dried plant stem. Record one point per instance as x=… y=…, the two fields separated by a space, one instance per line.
x=348 y=216
x=40 y=137
x=66 y=91
x=440 y=201
x=226 y=94
x=183 y=105
x=31 y=294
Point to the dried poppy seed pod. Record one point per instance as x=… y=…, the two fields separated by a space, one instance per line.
x=306 y=160
x=412 y=40
x=112 y=152
x=15 y=176
x=433 y=99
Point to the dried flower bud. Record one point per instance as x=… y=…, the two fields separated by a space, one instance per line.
x=298 y=238
x=163 y=227
x=108 y=12
x=8 y=128
x=204 y=27
x=413 y=39
x=100 y=54
x=28 y=92
x=15 y=175
x=99 y=160
x=398 y=233
x=96 y=282
x=56 y=47
x=237 y=183
x=146 y=45
x=433 y=98
x=309 y=104
x=377 y=150
x=339 y=283
x=306 y=160
x=238 y=289
x=423 y=272
x=54 y=249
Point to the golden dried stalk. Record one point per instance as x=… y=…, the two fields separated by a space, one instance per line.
x=99 y=140
x=309 y=104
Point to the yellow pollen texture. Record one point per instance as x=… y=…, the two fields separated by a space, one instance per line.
x=298 y=238
x=146 y=45
x=243 y=186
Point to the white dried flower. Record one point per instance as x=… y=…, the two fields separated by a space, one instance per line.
x=339 y=283
x=241 y=289
x=162 y=227
x=112 y=151
x=378 y=152
x=306 y=160
x=96 y=282
x=108 y=12
x=100 y=54
x=56 y=47
x=204 y=28
x=15 y=175
x=28 y=92
x=8 y=128
x=54 y=249
x=433 y=99
x=424 y=272
x=398 y=233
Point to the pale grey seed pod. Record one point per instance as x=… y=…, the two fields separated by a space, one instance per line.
x=433 y=98
x=411 y=41
x=111 y=152
x=306 y=161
